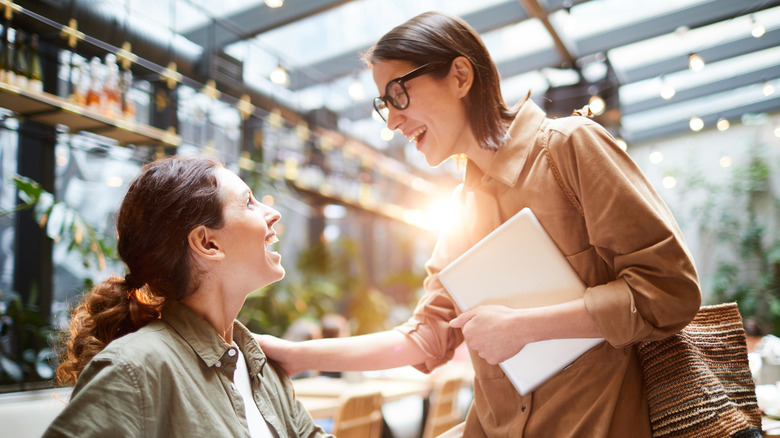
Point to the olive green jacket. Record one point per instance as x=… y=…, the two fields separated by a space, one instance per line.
x=174 y=378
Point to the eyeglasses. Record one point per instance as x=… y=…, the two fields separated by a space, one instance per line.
x=395 y=91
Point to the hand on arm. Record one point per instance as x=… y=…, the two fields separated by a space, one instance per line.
x=497 y=332
x=375 y=351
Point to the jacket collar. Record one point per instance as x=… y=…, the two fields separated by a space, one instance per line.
x=510 y=159
x=207 y=343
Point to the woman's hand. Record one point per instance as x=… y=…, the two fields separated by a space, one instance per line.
x=492 y=331
x=280 y=351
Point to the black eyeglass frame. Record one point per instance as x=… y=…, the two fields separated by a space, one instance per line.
x=380 y=103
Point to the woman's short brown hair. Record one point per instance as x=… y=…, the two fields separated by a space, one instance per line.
x=439 y=37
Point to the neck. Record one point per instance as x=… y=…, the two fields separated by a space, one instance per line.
x=216 y=308
x=481 y=157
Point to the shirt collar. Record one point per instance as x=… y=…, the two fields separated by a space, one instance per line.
x=509 y=160
x=207 y=343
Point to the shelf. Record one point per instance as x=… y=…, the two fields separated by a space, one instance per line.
x=53 y=110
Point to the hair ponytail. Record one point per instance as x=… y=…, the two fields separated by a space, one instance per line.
x=109 y=311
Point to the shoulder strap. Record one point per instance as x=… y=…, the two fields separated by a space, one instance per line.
x=559 y=178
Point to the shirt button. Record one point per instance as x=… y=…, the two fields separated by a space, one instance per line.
x=231 y=352
x=523 y=408
x=218 y=364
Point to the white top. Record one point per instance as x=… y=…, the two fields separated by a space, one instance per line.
x=258 y=428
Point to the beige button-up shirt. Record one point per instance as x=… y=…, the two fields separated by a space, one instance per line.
x=623 y=242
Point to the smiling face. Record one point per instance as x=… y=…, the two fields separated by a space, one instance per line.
x=247 y=234
x=436 y=116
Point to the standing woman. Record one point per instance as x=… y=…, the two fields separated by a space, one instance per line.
x=159 y=353
x=440 y=89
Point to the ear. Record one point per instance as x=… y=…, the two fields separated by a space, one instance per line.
x=203 y=243
x=463 y=73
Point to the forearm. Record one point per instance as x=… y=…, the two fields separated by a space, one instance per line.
x=558 y=321
x=375 y=351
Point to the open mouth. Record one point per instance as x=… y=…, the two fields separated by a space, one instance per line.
x=270 y=240
x=417 y=135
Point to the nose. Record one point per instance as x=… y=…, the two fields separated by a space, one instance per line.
x=272 y=216
x=394 y=118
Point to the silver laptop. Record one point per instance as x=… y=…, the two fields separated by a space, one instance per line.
x=518 y=265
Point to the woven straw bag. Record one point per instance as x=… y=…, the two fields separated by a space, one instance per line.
x=698 y=382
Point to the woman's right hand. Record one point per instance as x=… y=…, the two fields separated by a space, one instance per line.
x=280 y=351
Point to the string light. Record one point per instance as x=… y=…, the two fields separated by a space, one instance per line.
x=280 y=77
x=696 y=124
x=768 y=89
x=356 y=90
x=386 y=134
x=725 y=161
x=757 y=30
x=597 y=104
x=669 y=182
x=656 y=157
x=667 y=90
x=274 y=3
x=621 y=143
x=695 y=62
x=723 y=124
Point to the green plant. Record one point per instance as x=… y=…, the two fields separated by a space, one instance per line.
x=26 y=336
x=739 y=215
x=25 y=339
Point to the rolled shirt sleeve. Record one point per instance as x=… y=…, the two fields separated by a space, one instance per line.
x=656 y=291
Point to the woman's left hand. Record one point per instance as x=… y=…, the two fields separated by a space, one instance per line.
x=491 y=331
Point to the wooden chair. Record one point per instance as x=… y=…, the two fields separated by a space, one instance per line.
x=359 y=416
x=443 y=412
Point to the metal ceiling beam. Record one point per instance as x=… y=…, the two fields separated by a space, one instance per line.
x=536 y=11
x=682 y=126
x=733 y=82
x=693 y=16
x=727 y=50
x=256 y=20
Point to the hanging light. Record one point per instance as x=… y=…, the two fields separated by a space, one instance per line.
x=667 y=90
x=669 y=182
x=386 y=134
x=274 y=3
x=356 y=90
x=768 y=89
x=696 y=124
x=621 y=143
x=725 y=161
x=757 y=30
x=280 y=77
x=695 y=62
x=656 y=157
x=597 y=105
x=723 y=124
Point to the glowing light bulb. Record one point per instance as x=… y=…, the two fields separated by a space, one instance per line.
x=280 y=77
x=669 y=182
x=667 y=91
x=597 y=105
x=723 y=124
x=695 y=62
x=696 y=124
x=768 y=89
x=656 y=157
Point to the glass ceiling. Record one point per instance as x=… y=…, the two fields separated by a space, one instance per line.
x=644 y=55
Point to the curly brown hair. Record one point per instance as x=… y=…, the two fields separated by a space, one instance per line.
x=163 y=204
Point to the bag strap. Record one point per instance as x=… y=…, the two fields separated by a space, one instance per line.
x=559 y=178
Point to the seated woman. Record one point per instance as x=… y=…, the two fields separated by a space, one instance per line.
x=159 y=353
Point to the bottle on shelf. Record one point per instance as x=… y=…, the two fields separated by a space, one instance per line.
x=95 y=91
x=8 y=55
x=3 y=37
x=112 y=99
x=21 y=67
x=35 y=77
x=79 y=77
x=126 y=84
